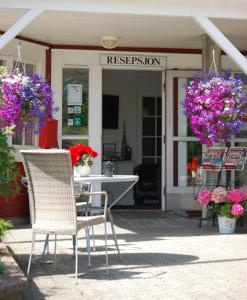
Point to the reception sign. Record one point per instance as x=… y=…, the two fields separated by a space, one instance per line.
x=133 y=60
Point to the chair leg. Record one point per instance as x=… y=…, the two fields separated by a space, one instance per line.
x=114 y=234
x=76 y=258
x=94 y=249
x=88 y=245
x=74 y=244
x=55 y=253
x=31 y=253
x=46 y=246
x=106 y=250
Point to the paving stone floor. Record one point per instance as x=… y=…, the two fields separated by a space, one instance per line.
x=163 y=257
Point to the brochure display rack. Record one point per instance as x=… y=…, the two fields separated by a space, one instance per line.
x=217 y=159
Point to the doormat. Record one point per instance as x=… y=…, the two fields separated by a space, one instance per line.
x=140 y=214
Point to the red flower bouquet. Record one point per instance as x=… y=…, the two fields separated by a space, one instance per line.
x=82 y=155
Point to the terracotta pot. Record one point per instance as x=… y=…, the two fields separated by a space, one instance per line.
x=15 y=206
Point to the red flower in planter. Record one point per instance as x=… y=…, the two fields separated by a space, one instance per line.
x=81 y=154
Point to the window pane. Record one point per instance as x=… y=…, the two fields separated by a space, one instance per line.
x=158 y=145
x=148 y=106
x=159 y=110
x=30 y=69
x=148 y=160
x=17 y=138
x=29 y=138
x=148 y=146
x=241 y=176
x=67 y=143
x=183 y=128
x=148 y=126
x=159 y=122
x=75 y=101
x=2 y=62
x=182 y=157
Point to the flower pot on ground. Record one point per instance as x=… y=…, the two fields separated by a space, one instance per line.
x=229 y=206
x=82 y=159
x=226 y=225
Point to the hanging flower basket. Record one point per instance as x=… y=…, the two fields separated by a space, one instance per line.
x=215 y=107
x=25 y=101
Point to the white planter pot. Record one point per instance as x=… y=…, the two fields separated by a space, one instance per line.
x=82 y=170
x=226 y=225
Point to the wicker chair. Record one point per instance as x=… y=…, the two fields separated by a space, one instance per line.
x=52 y=199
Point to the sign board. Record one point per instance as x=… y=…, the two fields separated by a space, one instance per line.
x=236 y=158
x=75 y=94
x=132 y=60
x=214 y=158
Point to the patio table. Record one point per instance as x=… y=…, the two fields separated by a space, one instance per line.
x=92 y=179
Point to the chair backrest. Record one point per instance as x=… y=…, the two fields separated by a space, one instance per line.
x=51 y=188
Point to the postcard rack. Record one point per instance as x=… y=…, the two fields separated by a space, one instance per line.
x=215 y=160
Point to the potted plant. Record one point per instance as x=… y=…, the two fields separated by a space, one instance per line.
x=215 y=107
x=82 y=159
x=228 y=206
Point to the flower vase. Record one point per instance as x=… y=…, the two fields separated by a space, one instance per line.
x=226 y=225
x=82 y=170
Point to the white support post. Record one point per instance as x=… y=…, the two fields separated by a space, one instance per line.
x=19 y=26
x=222 y=42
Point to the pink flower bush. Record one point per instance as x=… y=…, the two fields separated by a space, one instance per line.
x=204 y=197
x=231 y=204
x=219 y=195
x=237 y=195
x=237 y=209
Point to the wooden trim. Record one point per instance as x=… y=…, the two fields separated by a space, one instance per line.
x=130 y=49
x=124 y=49
x=26 y=39
x=175 y=106
x=175 y=163
x=175 y=131
x=48 y=64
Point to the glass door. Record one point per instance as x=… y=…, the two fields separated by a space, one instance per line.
x=151 y=129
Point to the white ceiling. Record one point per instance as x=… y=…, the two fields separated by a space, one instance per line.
x=132 y=30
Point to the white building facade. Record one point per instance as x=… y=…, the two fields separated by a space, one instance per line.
x=159 y=51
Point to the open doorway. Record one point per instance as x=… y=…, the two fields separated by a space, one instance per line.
x=132 y=133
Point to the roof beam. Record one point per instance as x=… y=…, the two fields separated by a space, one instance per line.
x=222 y=42
x=235 y=9
x=19 y=26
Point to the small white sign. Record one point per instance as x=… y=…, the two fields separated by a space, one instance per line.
x=75 y=94
x=133 y=60
x=70 y=122
x=77 y=109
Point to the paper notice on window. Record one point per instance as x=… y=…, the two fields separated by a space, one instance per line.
x=75 y=94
